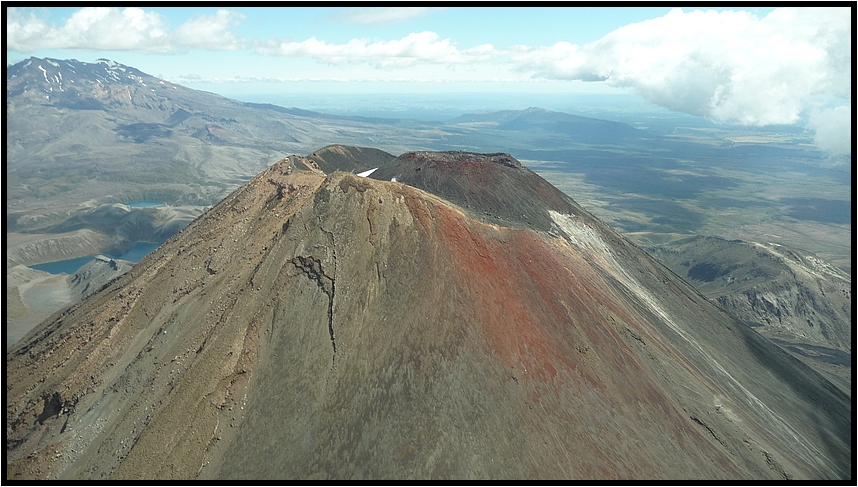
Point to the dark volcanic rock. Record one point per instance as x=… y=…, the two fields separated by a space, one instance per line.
x=332 y=326
x=450 y=160
x=494 y=187
x=349 y=159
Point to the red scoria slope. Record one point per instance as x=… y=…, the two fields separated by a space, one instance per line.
x=314 y=326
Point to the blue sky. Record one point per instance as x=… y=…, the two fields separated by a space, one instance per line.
x=758 y=66
x=235 y=70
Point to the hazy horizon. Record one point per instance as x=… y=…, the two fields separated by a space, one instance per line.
x=754 y=67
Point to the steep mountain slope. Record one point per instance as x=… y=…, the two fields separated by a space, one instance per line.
x=331 y=326
x=804 y=303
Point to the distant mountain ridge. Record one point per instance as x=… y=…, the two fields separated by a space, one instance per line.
x=311 y=114
x=538 y=118
x=110 y=122
x=69 y=82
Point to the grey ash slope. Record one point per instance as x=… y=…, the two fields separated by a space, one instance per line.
x=331 y=326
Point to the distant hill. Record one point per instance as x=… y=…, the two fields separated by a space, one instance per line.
x=576 y=127
x=785 y=292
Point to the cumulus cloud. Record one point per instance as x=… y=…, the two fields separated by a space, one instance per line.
x=88 y=28
x=833 y=129
x=210 y=32
x=382 y=15
x=129 y=29
x=422 y=47
x=728 y=66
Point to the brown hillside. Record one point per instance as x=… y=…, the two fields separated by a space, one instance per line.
x=313 y=326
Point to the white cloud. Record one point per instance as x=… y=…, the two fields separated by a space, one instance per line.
x=88 y=28
x=23 y=29
x=210 y=32
x=383 y=15
x=833 y=129
x=729 y=66
x=422 y=47
x=114 y=29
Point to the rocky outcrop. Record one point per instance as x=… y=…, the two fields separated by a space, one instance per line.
x=94 y=275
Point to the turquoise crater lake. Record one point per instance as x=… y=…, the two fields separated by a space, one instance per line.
x=70 y=266
x=144 y=204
